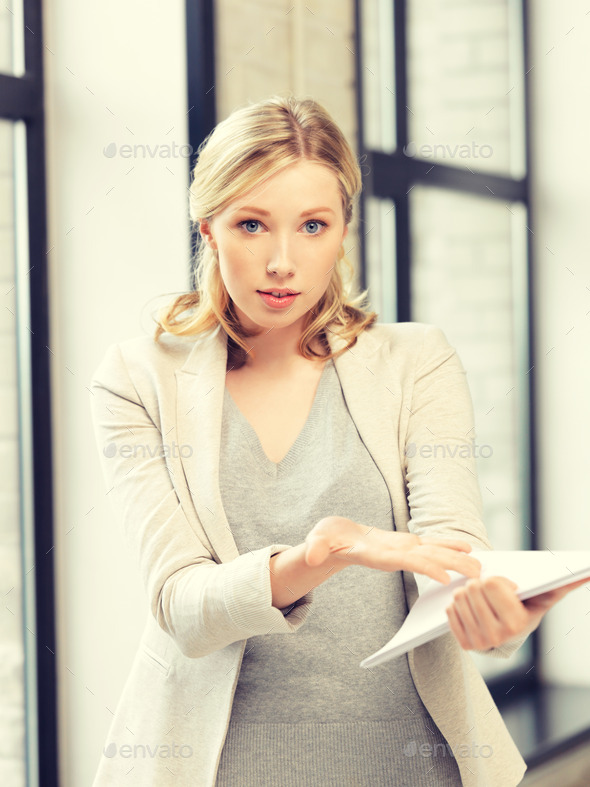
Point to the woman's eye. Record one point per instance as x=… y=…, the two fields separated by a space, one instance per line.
x=251 y=226
x=316 y=226
x=247 y=225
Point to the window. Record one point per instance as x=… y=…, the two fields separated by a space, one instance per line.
x=28 y=718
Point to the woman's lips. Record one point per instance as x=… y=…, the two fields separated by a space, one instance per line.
x=277 y=303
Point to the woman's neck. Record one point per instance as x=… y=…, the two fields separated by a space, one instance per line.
x=273 y=360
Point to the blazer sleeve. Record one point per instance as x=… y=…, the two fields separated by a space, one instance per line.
x=443 y=491
x=203 y=605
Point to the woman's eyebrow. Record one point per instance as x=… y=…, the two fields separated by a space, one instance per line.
x=266 y=213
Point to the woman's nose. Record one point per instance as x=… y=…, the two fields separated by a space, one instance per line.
x=281 y=260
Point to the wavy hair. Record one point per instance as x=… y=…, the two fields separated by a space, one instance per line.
x=252 y=144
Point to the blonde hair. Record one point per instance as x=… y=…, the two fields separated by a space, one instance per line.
x=252 y=144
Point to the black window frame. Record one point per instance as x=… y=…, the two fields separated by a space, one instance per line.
x=201 y=77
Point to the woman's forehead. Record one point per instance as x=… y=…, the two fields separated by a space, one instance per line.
x=299 y=184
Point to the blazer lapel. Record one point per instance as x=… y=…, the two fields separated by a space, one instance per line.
x=199 y=405
x=370 y=397
x=373 y=397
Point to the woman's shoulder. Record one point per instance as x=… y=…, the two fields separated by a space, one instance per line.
x=412 y=349
x=143 y=356
x=404 y=337
x=167 y=349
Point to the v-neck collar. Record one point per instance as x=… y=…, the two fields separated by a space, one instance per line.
x=302 y=439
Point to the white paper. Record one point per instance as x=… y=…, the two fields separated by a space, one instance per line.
x=534 y=572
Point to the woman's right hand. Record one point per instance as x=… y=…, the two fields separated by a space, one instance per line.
x=337 y=541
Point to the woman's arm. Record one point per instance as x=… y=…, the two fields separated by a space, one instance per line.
x=291 y=577
x=440 y=463
x=336 y=542
x=439 y=448
x=203 y=605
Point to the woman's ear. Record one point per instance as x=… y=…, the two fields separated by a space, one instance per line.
x=206 y=234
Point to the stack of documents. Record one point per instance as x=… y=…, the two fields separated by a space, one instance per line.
x=534 y=572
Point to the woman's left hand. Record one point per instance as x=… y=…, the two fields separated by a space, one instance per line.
x=486 y=613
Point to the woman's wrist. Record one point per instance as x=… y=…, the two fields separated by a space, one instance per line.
x=291 y=577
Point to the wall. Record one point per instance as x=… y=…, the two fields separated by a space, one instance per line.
x=560 y=118
x=115 y=75
x=12 y=705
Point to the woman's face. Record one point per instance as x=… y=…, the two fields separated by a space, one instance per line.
x=292 y=225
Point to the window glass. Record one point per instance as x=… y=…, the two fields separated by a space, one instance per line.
x=12 y=651
x=465 y=84
x=378 y=88
x=380 y=257
x=468 y=276
x=11 y=38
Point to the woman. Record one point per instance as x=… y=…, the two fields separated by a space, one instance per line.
x=256 y=452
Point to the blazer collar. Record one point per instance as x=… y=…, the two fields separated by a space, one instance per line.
x=199 y=406
x=211 y=348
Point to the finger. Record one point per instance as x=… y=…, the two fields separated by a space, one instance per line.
x=450 y=543
x=449 y=559
x=471 y=627
x=482 y=626
x=421 y=564
x=545 y=601
x=457 y=627
x=500 y=594
x=434 y=562
x=483 y=612
x=573 y=585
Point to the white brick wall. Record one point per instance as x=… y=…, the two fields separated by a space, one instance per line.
x=463 y=280
x=461 y=83
x=376 y=18
x=12 y=718
x=560 y=118
x=6 y=18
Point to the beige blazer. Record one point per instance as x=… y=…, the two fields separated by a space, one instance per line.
x=157 y=412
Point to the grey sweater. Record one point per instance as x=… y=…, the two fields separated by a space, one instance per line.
x=304 y=712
